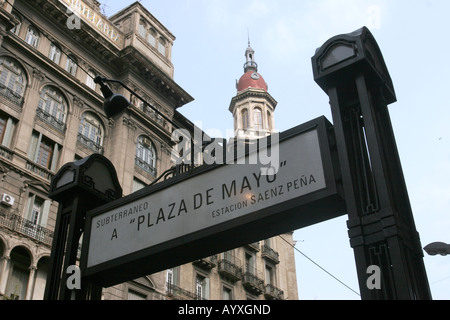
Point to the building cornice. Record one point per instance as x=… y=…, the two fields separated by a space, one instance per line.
x=252 y=93
x=158 y=79
x=138 y=6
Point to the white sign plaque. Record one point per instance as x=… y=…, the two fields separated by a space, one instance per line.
x=218 y=196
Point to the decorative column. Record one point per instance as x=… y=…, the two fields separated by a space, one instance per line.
x=351 y=70
x=4 y=273
x=30 y=286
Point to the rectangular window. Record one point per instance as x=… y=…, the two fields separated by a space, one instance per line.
x=44 y=151
x=201 y=287
x=2 y=127
x=71 y=66
x=137 y=185
x=227 y=293
x=250 y=266
x=45 y=154
x=90 y=80
x=55 y=53
x=229 y=256
x=32 y=37
x=269 y=275
x=172 y=278
x=37 y=210
x=134 y=295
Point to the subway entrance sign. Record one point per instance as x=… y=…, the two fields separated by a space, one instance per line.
x=215 y=208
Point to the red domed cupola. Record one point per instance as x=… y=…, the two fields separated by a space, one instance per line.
x=251 y=77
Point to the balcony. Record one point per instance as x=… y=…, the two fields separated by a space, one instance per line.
x=206 y=263
x=11 y=96
x=6 y=153
x=273 y=293
x=89 y=144
x=145 y=166
x=51 y=120
x=269 y=254
x=26 y=227
x=253 y=283
x=39 y=170
x=253 y=246
x=230 y=271
x=176 y=293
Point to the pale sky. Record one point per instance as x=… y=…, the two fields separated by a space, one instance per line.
x=208 y=55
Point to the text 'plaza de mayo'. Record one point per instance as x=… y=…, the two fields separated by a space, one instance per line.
x=51 y=113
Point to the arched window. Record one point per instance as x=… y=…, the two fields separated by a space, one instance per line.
x=151 y=37
x=52 y=107
x=142 y=28
x=55 y=53
x=162 y=46
x=32 y=37
x=91 y=132
x=12 y=80
x=269 y=120
x=71 y=65
x=257 y=119
x=19 y=273
x=146 y=155
x=245 y=119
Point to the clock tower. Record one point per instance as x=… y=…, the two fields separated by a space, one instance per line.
x=253 y=107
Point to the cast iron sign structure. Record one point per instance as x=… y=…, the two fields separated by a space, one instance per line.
x=214 y=208
x=351 y=70
x=325 y=171
x=78 y=187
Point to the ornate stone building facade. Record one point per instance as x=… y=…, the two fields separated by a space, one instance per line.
x=51 y=114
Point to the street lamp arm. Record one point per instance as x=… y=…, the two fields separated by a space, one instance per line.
x=101 y=80
x=115 y=104
x=437 y=248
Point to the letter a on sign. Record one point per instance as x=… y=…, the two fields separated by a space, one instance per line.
x=73 y=281
x=374 y=281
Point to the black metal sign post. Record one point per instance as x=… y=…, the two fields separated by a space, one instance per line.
x=78 y=187
x=351 y=70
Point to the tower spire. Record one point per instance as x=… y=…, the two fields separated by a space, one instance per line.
x=250 y=64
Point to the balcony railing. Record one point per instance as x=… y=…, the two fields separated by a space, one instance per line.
x=145 y=166
x=229 y=270
x=269 y=253
x=11 y=95
x=206 y=263
x=177 y=293
x=253 y=283
x=6 y=153
x=89 y=144
x=26 y=227
x=150 y=113
x=273 y=293
x=43 y=172
x=51 y=120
